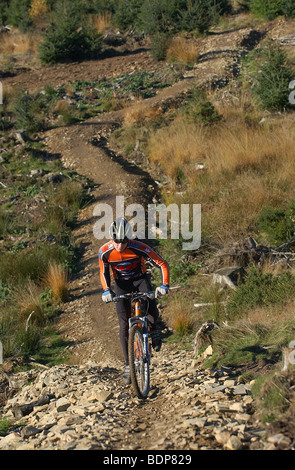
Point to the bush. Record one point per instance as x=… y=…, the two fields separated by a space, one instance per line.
x=172 y=16
x=260 y=289
x=200 y=109
x=127 y=13
x=26 y=112
x=159 y=46
x=199 y=15
x=17 y=14
x=278 y=224
x=270 y=75
x=288 y=8
x=268 y=9
x=69 y=37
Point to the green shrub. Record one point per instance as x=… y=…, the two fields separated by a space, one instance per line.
x=260 y=289
x=172 y=16
x=268 y=9
x=27 y=115
x=278 y=224
x=199 y=108
x=288 y=8
x=159 y=46
x=69 y=37
x=17 y=14
x=270 y=75
x=127 y=13
x=199 y=15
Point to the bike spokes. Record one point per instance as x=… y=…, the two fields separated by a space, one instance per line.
x=139 y=362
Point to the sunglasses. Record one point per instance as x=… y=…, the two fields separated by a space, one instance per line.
x=125 y=240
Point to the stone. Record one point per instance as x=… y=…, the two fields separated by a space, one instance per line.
x=222 y=437
x=240 y=389
x=279 y=439
x=229 y=276
x=62 y=404
x=234 y=443
x=21 y=411
x=10 y=441
x=29 y=431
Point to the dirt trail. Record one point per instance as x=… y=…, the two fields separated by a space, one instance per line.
x=77 y=151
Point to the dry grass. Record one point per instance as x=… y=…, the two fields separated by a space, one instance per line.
x=226 y=148
x=19 y=43
x=180 y=318
x=183 y=50
x=56 y=279
x=38 y=8
x=177 y=146
x=139 y=114
x=245 y=168
x=28 y=300
x=101 y=21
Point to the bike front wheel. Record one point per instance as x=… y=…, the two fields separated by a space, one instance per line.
x=138 y=362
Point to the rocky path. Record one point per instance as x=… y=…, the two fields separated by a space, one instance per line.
x=87 y=407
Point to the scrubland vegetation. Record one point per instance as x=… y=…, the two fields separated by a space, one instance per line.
x=232 y=150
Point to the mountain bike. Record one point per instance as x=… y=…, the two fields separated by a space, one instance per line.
x=139 y=346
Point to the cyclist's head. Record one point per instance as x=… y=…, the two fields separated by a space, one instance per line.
x=120 y=230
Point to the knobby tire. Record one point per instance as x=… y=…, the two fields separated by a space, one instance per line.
x=139 y=369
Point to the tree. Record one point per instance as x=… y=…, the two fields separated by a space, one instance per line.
x=270 y=75
x=69 y=37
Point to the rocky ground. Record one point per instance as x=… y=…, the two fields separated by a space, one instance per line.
x=84 y=404
x=88 y=407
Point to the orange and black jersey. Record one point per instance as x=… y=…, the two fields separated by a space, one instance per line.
x=130 y=263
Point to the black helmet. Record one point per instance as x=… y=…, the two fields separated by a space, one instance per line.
x=121 y=230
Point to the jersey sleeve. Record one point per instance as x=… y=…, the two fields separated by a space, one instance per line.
x=156 y=259
x=151 y=255
x=104 y=271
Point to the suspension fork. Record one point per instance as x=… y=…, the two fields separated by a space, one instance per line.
x=142 y=323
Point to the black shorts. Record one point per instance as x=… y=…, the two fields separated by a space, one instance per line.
x=139 y=284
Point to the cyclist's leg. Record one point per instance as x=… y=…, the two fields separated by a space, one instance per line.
x=143 y=285
x=123 y=308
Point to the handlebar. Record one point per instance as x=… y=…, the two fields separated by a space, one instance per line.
x=134 y=295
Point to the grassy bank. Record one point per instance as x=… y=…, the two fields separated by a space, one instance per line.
x=40 y=201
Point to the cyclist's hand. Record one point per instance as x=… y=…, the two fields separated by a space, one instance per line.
x=107 y=296
x=162 y=290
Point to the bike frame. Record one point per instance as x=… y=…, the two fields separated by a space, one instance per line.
x=142 y=322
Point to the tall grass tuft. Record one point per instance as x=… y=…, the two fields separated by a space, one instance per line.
x=180 y=318
x=29 y=303
x=181 y=50
x=56 y=279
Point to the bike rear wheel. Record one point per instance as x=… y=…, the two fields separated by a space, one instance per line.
x=138 y=362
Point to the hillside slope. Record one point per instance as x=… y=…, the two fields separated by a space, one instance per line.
x=87 y=405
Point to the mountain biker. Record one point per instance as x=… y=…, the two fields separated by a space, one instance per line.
x=126 y=258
